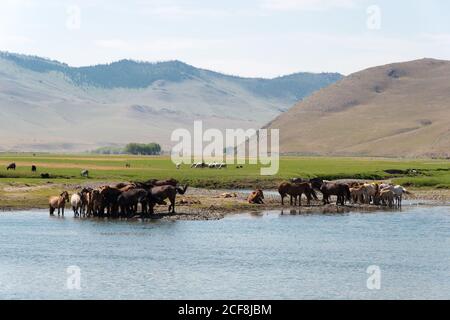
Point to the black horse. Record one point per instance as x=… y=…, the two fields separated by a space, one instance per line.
x=12 y=166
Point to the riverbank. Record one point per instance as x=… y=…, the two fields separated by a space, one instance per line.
x=201 y=203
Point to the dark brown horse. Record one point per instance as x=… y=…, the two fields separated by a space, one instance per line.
x=109 y=197
x=159 y=183
x=295 y=190
x=168 y=192
x=341 y=190
x=12 y=166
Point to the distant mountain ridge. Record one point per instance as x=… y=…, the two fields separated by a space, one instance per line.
x=144 y=100
x=395 y=110
x=135 y=74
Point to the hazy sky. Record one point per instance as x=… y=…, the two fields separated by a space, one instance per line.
x=250 y=38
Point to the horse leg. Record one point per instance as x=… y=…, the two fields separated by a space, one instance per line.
x=172 y=204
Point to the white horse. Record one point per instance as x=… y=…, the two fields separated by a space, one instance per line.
x=398 y=192
x=76 y=203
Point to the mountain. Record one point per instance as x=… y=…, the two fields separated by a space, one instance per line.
x=49 y=106
x=400 y=109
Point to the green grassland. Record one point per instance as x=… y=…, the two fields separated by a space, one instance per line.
x=110 y=168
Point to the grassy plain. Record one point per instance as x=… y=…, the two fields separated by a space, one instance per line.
x=22 y=186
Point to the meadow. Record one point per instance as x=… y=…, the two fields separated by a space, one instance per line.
x=66 y=169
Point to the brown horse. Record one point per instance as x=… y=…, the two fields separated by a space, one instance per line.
x=342 y=191
x=256 y=197
x=109 y=197
x=160 y=183
x=58 y=203
x=12 y=166
x=295 y=191
x=168 y=192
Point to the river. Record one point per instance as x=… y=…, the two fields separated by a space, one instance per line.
x=248 y=256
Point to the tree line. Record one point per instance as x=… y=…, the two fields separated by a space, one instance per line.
x=146 y=149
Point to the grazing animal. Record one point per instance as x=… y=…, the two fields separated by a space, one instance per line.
x=109 y=196
x=358 y=194
x=388 y=197
x=33 y=168
x=85 y=196
x=58 y=203
x=295 y=190
x=178 y=166
x=298 y=180
x=127 y=165
x=372 y=191
x=45 y=175
x=316 y=183
x=342 y=191
x=159 y=183
x=76 y=203
x=256 y=197
x=398 y=191
x=12 y=166
x=168 y=192
x=85 y=173
x=128 y=202
x=94 y=203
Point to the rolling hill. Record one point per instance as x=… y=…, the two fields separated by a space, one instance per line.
x=398 y=110
x=49 y=106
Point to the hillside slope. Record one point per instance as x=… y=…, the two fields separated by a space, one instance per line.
x=49 y=106
x=400 y=109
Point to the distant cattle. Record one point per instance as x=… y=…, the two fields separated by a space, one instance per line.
x=45 y=175
x=12 y=166
x=33 y=168
x=85 y=173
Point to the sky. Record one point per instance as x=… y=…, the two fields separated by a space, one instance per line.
x=257 y=38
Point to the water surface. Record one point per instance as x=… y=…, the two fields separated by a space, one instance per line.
x=265 y=256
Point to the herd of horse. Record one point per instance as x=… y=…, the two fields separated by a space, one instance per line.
x=125 y=199
x=352 y=192
x=121 y=200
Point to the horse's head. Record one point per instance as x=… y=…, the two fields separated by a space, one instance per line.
x=316 y=183
x=260 y=193
x=65 y=195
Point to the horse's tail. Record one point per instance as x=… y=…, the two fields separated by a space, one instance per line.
x=182 y=190
x=407 y=192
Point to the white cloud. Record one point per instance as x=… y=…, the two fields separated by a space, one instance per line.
x=307 y=5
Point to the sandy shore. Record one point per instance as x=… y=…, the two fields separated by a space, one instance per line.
x=207 y=204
